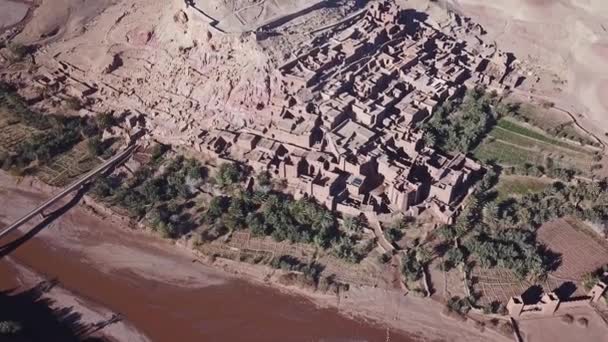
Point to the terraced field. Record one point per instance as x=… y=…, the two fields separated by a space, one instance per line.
x=513 y=144
x=67 y=167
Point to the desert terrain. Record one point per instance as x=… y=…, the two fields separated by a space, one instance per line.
x=11 y=13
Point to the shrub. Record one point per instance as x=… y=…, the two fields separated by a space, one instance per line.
x=95 y=146
x=583 y=322
x=384 y=258
x=18 y=51
x=460 y=305
x=158 y=151
x=228 y=174
x=481 y=326
x=105 y=120
x=506 y=328
x=393 y=234
x=73 y=103
x=567 y=318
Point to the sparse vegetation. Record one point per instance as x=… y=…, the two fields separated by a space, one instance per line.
x=73 y=103
x=18 y=51
x=568 y=319
x=582 y=321
x=105 y=120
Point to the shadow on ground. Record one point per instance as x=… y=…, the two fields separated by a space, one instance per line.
x=40 y=320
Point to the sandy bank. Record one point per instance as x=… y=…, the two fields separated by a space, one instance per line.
x=11 y=13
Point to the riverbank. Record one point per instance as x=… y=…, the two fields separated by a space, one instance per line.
x=90 y=246
x=86 y=318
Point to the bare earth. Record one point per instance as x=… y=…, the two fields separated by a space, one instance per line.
x=554 y=329
x=11 y=13
x=109 y=247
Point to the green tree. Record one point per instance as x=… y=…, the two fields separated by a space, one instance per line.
x=217 y=207
x=95 y=146
x=352 y=224
x=105 y=120
x=18 y=51
x=344 y=249
x=325 y=219
x=264 y=182
x=228 y=174
x=452 y=258
x=393 y=234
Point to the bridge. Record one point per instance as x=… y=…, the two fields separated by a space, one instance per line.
x=119 y=157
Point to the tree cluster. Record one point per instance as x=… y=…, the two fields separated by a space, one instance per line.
x=55 y=135
x=156 y=194
x=228 y=174
x=414 y=260
x=479 y=234
x=276 y=215
x=549 y=169
x=459 y=127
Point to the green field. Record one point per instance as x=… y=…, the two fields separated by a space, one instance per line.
x=512 y=144
x=509 y=186
x=506 y=154
x=511 y=127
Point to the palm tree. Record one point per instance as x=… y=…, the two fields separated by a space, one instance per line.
x=491 y=214
x=324 y=219
x=351 y=224
x=423 y=255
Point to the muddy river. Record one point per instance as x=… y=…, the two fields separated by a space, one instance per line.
x=222 y=308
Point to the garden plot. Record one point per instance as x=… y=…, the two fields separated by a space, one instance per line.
x=245 y=247
x=244 y=240
x=368 y=272
x=446 y=284
x=511 y=144
x=11 y=135
x=507 y=154
x=580 y=251
x=64 y=169
x=513 y=186
x=498 y=285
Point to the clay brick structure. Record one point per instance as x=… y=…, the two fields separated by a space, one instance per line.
x=343 y=128
x=550 y=304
